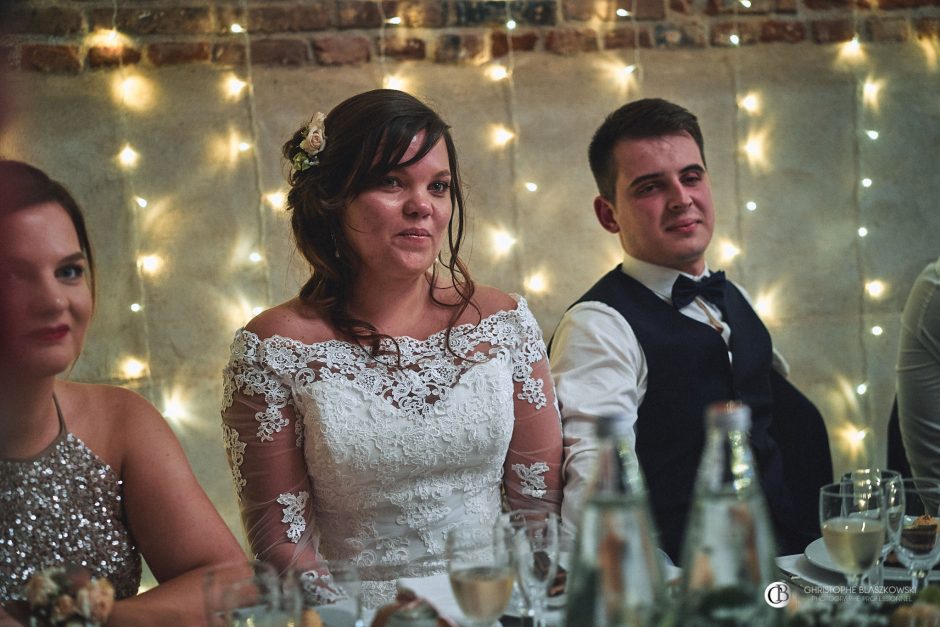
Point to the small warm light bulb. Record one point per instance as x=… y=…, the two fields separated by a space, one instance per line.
x=746 y=4
x=764 y=306
x=256 y=310
x=132 y=368
x=502 y=135
x=532 y=187
x=150 y=264
x=753 y=147
x=623 y=13
x=735 y=40
x=237 y=28
x=853 y=46
x=277 y=200
x=136 y=307
x=255 y=257
x=133 y=92
x=141 y=202
x=394 y=21
x=511 y=24
x=750 y=103
x=862 y=231
x=872 y=134
x=855 y=435
x=502 y=242
x=750 y=205
x=728 y=251
x=860 y=389
x=870 y=91
x=173 y=410
x=876 y=288
x=497 y=72
x=244 y=146
x=536 y=283
x=877 y=330
x=627 y=70
x=866 y=182
x=234 y=86
x=128 y=157
x=394 y=82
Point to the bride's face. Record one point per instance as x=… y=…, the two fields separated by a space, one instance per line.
x=397 y=227
x=47 y=301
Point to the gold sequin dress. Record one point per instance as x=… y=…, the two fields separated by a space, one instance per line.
x=64 y=505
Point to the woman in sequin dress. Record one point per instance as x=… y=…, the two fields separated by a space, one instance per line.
x=89 y=474
x=393 y=399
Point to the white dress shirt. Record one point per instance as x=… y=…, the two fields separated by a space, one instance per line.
x=600 y=370
x=919 y=374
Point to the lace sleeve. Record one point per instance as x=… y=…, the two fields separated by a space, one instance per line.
x=264 y=441
x=532 y=473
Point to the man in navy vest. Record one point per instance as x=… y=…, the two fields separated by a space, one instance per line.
x=661 y=336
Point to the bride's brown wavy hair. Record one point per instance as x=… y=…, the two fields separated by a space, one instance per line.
x=366 y=137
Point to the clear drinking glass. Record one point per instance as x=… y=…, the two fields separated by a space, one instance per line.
x=251 y=593
x=536 y=546
x=481 y=567
x=889 y=483
x=918 y=548
x=853 y=519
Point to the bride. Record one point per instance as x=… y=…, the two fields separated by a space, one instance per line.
x=393 y=399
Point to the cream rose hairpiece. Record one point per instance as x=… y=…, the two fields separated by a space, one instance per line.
x=311 y=145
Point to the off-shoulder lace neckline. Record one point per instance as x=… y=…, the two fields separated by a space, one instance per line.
x=435 y=338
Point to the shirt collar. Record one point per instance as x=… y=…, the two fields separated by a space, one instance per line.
x=659 y=279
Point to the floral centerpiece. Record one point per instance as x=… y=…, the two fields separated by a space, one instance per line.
x=68 y=596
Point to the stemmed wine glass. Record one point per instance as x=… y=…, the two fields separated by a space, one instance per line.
x=251 y=593
x=481 y=567
x=889 y=483
x=918 y=548
x=853 y=520
x=536 y=544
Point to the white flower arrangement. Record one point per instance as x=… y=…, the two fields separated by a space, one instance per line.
x=70 y=597
x=312 y=144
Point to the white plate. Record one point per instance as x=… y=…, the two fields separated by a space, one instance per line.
x=817 y=554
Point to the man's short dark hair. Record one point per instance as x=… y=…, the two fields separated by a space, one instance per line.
x=640 y=119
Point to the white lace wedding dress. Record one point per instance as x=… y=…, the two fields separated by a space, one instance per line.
x=347 y=457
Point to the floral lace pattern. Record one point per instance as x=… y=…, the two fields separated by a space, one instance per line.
x=396 y=456
x=236 y=454
x=294 y=514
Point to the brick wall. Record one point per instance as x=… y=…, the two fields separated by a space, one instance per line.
x=59 y=35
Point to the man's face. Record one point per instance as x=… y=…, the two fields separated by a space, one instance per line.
x=662 y=208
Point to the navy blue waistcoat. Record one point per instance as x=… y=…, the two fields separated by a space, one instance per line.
x=688 y=369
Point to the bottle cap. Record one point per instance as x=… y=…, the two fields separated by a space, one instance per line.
x=728 y=415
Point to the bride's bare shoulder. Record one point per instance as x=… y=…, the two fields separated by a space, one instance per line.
x=291 y=319
x=491 y=300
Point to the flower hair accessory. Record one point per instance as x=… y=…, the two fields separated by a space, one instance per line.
x=69 y=596
x=311 y=145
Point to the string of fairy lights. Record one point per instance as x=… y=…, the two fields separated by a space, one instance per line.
x=133 y=92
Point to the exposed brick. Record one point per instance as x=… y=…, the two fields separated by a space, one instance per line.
x=927 y=28
x=889 y=29
x=341 y=50
x=832 y=31
x=829 y=5
x=521 y=41
x=491 y=12
x=650 y=9
x=567 y=41
x=462 y=48
x=894 y=5
x=7 y=59
x=685 y=35
x=784 y=32
x=279 y=52
x=227 y=15
x=175 y=52
x=725 y=7
x=153 y=21
x=625 y=37
x=403 y=48
x=581 y=10
x=686 y=7
x=785 y=6
x=111 y=56
x=50 y=59
x=229 y=53
x=54 y=20
x=423 y=13
x=362 y=13
x=748 y=33
x=294 y=18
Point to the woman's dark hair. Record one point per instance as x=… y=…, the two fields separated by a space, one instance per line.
x=23 y=186
x=366 y=137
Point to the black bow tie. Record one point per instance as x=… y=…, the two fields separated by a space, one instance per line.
x=711 y=288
